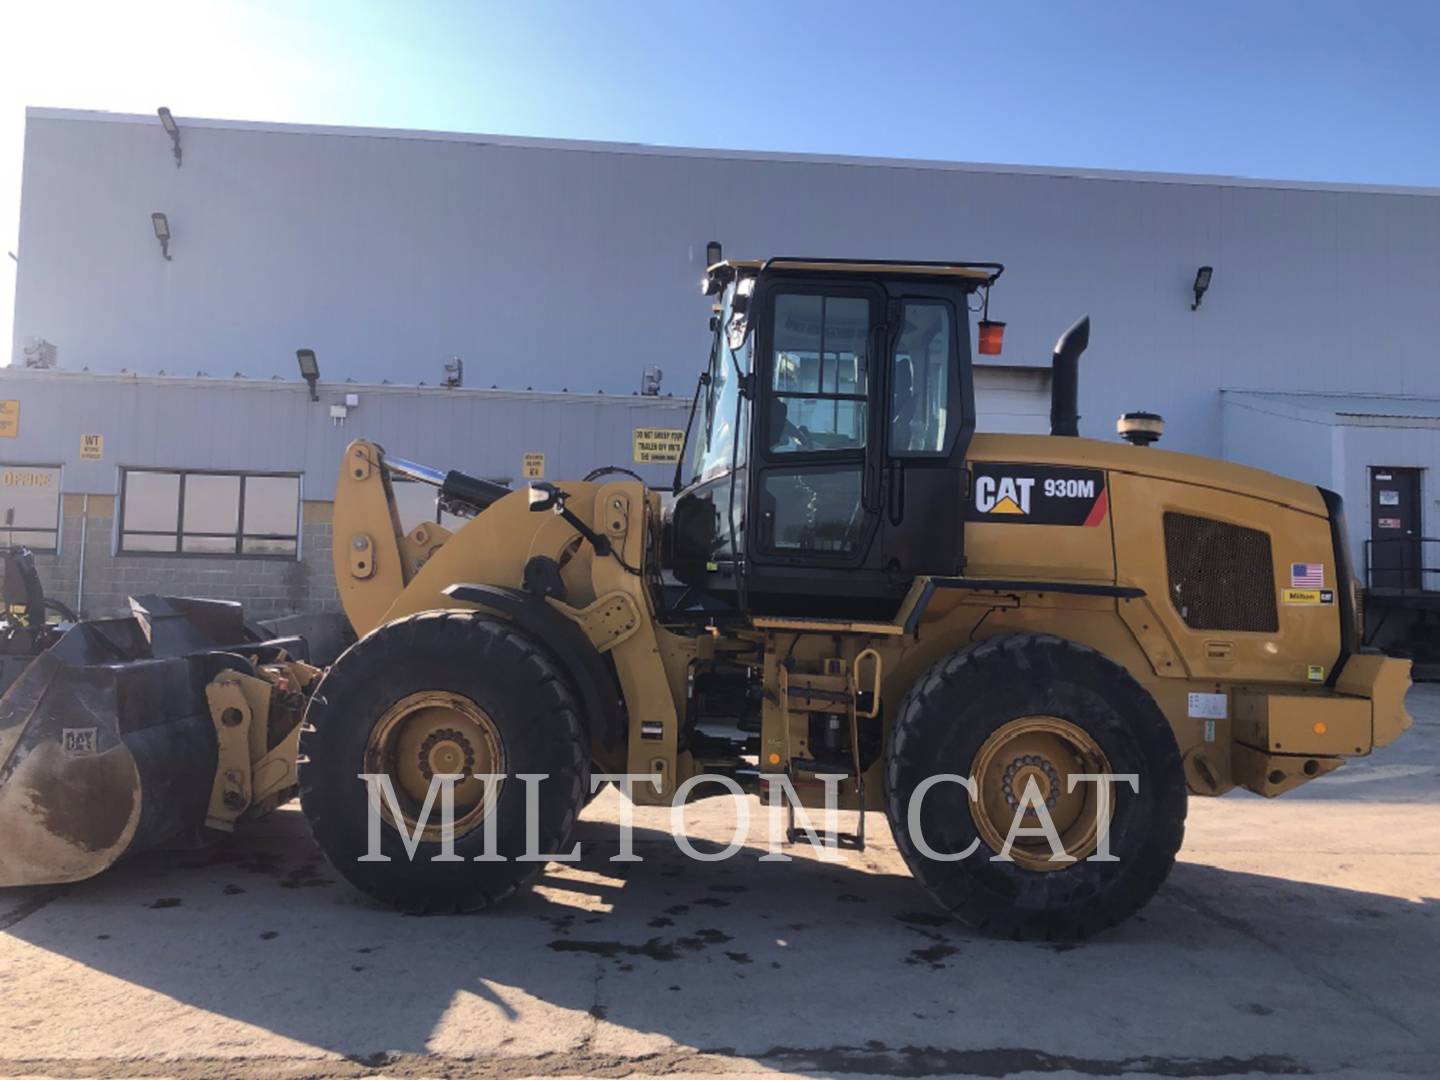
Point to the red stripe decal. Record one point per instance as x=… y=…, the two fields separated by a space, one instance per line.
x=1098 y=508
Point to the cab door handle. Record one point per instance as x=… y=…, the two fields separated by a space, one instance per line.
x=896 y=493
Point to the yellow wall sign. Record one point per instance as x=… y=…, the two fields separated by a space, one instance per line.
x=17 y=476
x=532 y=466
x=92 y=447
x=658 y=445
x=9 y=419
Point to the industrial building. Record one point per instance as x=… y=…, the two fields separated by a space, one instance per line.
x=515 y=307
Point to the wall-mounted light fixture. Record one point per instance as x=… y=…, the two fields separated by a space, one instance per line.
x=309 y=370
x=161 y=225
x=172 y=129
x=1202 y=283
x=713 y=253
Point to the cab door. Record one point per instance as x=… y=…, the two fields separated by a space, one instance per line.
x=815 y=508
x=929 y=419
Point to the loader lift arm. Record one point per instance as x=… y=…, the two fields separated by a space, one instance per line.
x=590 y=610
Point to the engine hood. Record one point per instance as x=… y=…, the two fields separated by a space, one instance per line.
x=1149 y=461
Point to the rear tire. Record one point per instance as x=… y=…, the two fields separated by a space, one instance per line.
x=953 y=719
x=530 y=721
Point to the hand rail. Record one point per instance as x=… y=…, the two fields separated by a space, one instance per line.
x=1412 y=566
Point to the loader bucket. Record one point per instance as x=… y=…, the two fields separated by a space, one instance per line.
x=107 y=746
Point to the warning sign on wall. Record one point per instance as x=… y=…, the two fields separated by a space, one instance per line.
x=92 y=447
x=532 y=466
x=658 y=445
x=9 y=419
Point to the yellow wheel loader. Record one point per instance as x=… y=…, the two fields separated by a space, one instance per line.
x=1025 y=651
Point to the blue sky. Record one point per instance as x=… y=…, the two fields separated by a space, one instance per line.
x=1315 y=91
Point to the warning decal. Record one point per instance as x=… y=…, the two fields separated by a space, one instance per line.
x=658 y=445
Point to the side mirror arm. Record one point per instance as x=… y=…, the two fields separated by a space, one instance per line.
x=546 y=496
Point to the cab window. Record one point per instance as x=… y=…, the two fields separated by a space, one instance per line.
x=920 y=379
x=820 y=374
x=714 y=430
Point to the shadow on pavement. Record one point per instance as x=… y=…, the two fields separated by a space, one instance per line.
x=760 y=959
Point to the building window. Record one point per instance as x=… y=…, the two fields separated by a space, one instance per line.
x=209 y=513
x=30 y=506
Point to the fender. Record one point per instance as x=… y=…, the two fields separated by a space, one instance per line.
x=567 y=644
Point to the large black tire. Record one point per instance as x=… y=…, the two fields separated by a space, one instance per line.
x=539 y=722
x=945 y=719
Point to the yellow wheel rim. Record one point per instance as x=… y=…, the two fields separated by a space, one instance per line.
x=1046 y=751
x=432 y=733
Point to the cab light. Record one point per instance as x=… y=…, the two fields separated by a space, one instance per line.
x=992 y=337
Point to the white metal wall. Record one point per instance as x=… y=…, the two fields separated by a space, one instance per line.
x=574 y=265
x=264 y=426
x=1321 y=441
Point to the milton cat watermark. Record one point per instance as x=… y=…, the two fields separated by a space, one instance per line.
x=1031 y=818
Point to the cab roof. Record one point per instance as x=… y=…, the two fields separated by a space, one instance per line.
x=981 y=273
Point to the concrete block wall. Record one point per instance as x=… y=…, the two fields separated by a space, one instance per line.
x=267 y=587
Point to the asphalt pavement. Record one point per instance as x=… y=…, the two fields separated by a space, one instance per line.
x=1299 y=936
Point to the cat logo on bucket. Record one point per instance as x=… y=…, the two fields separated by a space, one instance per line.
x=1003 y=494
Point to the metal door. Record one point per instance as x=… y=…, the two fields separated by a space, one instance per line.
x=1394 y=528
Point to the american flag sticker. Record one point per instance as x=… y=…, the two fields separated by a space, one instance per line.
x=1307 y=575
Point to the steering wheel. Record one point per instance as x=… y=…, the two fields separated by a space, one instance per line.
x=799 y=434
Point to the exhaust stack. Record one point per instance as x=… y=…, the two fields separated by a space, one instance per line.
x=1065 y=379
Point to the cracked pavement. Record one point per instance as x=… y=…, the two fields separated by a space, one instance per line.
x=1296 y=937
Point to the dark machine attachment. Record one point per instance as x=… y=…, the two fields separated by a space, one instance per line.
x=128 y=734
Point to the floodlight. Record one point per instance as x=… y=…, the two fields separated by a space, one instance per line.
x=1202 y=283
x=309 y=370
x=167 y=121
x=161 y=224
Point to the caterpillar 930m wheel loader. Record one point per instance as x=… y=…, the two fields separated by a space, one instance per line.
x=848 y=582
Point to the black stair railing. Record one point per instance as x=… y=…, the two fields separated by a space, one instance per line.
x=1402 y=565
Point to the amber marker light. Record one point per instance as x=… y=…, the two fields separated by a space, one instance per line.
x=992 y=337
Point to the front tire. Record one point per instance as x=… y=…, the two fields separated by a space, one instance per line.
x=1020 y=708
x=450 y=692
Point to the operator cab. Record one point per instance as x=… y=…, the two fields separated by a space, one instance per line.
x=824 y=458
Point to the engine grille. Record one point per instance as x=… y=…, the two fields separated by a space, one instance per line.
x=1221 y=575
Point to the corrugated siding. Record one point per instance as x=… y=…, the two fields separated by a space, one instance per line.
x=277 y=428
x=556 y=267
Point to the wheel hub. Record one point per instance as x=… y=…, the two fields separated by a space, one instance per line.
x=447 y=752
x=1043 y=751
x=436 y=733
x=1022 y=770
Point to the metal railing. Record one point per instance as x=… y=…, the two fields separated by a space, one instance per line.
x=1411 y=565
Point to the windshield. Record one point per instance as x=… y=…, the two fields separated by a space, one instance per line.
x=710 y=443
